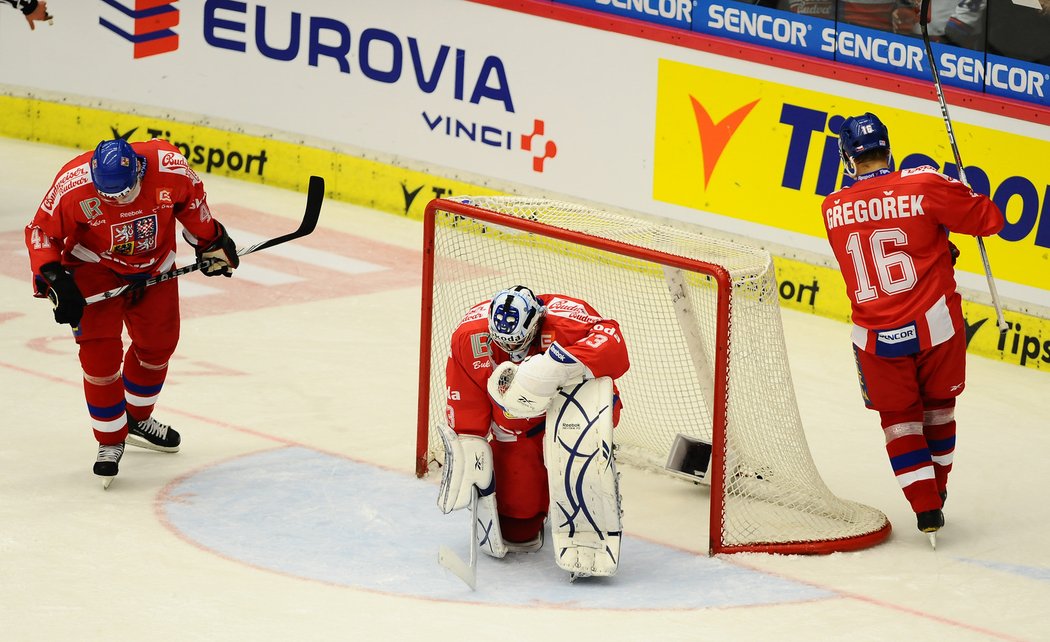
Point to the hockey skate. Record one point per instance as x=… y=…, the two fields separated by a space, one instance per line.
x=930 y=522
x=106 y=463
x=153 y=435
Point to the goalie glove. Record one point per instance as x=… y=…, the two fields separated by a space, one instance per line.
x=524 y=391
x=468 y=463
x=222 y=253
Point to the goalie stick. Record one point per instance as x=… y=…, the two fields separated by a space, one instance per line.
x=924 y=18
x=466 y=572
x=314 y=198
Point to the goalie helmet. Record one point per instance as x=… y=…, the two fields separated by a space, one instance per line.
x=116 y=170
x=860 y=134
x=515 y=315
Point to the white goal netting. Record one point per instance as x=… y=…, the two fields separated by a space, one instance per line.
x=659 y=282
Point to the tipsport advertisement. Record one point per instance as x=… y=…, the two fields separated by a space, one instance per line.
x=767 y=153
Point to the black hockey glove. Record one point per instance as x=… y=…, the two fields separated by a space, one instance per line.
x=954 y=250
x=223 y=254
x=64 y=294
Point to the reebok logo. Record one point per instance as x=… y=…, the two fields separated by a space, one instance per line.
x=146 y=24
x=714 y=136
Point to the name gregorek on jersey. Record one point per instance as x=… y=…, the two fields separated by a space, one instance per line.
x=881 y=208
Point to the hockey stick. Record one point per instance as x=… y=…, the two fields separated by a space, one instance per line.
x=314 y=198
x=466 y=572
x=924 y=9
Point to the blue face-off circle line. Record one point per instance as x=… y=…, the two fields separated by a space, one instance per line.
x=304 y=513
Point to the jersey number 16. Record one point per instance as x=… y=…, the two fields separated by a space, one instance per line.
x=894 y=269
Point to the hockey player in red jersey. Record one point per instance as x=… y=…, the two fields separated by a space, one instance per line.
x=109 y=220
x=554 y=339
x=889 y=232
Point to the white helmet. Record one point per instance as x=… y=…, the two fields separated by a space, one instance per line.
x=515 y=314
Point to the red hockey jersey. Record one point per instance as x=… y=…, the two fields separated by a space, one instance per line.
x=73 y=225
x=889 y=235
x=595 y=341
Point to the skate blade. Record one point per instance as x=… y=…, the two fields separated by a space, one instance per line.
x=933 y=539
x=106 y=481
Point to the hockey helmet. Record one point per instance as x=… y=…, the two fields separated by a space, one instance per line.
x=116 y=169
x=860 y=134
x=515 y=315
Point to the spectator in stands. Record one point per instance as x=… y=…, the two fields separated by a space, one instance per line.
x=873 y=14
x=33 y=10
x=812 y=8
x=952 y=22
x=1019 y=32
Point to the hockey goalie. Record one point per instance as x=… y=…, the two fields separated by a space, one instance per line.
x=531 y=406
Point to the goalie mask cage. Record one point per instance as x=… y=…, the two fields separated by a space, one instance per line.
x=701 y=319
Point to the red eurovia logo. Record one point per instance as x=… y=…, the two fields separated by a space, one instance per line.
x=715 y=136
x=531 y=143
x=146 y=24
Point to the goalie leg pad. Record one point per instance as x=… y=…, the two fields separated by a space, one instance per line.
x=584 y=485
x=490 y=538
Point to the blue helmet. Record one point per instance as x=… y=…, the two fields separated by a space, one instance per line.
x=860 y=134
x=115 y=168
x=515 y=315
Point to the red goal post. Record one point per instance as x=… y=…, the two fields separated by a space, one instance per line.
x=701 y=319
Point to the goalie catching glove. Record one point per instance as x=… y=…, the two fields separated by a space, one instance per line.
x=222 y=253
x=524 y=391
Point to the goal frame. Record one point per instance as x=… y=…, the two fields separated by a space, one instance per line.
x=721 y=359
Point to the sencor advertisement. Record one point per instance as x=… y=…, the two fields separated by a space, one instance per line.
x=672 y=13
x=768 y=153
x=836 y=40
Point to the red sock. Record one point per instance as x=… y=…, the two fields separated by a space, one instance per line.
x=939 y=429
x=142 y=386
x=105 y=404
x=913 y=466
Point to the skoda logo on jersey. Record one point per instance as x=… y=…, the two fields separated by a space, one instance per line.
x=148 y=30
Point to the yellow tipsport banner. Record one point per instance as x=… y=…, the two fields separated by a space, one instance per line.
x=768 y=153
x=211 y=150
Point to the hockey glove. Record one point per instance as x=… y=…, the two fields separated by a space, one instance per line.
x=222 y=253
x=526 y=390
x=954 y=251
x=64 y=294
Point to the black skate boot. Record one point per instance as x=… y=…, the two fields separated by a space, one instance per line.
x=106 y=463
x=153 y=435
x=930 y=522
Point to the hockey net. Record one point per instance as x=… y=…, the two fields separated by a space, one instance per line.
x=701 y=319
